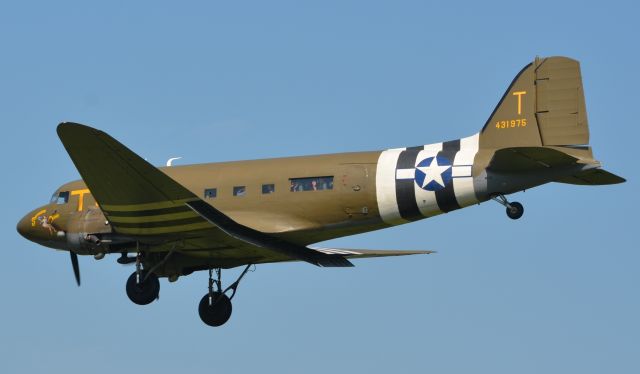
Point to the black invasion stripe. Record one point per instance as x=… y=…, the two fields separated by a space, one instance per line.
x=146 y=225
x=405 y=190
x=446 y=197
x=149 y=212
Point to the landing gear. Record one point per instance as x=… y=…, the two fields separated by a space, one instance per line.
x=515 y=210
x=142 y=286
x=215 y=307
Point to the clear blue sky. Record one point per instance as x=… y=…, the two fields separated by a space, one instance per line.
x=554 y=292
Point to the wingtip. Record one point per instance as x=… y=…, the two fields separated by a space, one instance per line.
x=64 y=128
x=67 y=124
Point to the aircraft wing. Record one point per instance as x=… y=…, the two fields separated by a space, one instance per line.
x=349 y=253
x=141 y=201
x=364 y=253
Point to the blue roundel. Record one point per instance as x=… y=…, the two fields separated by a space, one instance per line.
x=433 y=173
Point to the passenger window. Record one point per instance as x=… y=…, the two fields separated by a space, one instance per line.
x=268 y=188
x=239 y=190
x=311 y=184
x=210 y=193
x=63 y=197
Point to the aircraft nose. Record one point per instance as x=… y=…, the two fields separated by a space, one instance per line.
x=41 y=227
x=24 y=226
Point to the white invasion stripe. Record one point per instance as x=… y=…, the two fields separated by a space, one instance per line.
x=468 y=149
x=463 y=185
x=405 y=173
x=465 y=194
x=426 y=200
x=461 y=171
x=386 y=186
x=432 y=148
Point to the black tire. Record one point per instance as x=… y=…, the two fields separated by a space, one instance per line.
x=218 y=313
x=145 y=292
x=515 y=211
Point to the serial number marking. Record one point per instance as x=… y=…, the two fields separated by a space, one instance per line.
x=510 y=124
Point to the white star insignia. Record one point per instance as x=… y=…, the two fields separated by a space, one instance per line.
x=433 y=172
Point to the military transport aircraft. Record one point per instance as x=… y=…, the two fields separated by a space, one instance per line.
x=177 y=220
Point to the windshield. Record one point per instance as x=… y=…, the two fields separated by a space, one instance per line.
x=61 y=197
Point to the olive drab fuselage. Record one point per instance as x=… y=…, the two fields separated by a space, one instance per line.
x=369 y=191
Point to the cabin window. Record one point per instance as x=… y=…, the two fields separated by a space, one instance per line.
x=60 y=197
x=210 y=193
x=239 y=190
x=311 y=184
x=268 y=188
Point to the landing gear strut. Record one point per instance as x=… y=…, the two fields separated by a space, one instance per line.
x=215 y=307
x=142 y=286
x=515 y=210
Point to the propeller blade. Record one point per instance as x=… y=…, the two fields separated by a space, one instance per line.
x=76 y=266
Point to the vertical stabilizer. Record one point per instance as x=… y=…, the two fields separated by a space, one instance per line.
x=543 y=106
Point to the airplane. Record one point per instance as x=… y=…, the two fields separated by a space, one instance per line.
x=172 y=221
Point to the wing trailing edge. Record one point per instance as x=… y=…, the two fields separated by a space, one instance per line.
x=368 y=253
x=263 y=240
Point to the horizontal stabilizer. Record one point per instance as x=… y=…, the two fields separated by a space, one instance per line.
x=519 y=159
x=593 y=177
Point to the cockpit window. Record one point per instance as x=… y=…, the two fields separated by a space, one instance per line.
x=60 y=197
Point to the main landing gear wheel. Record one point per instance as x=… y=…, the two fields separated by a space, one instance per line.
x=515 y=210
x=215 y=309
x=143 y=287
x=215 y=306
